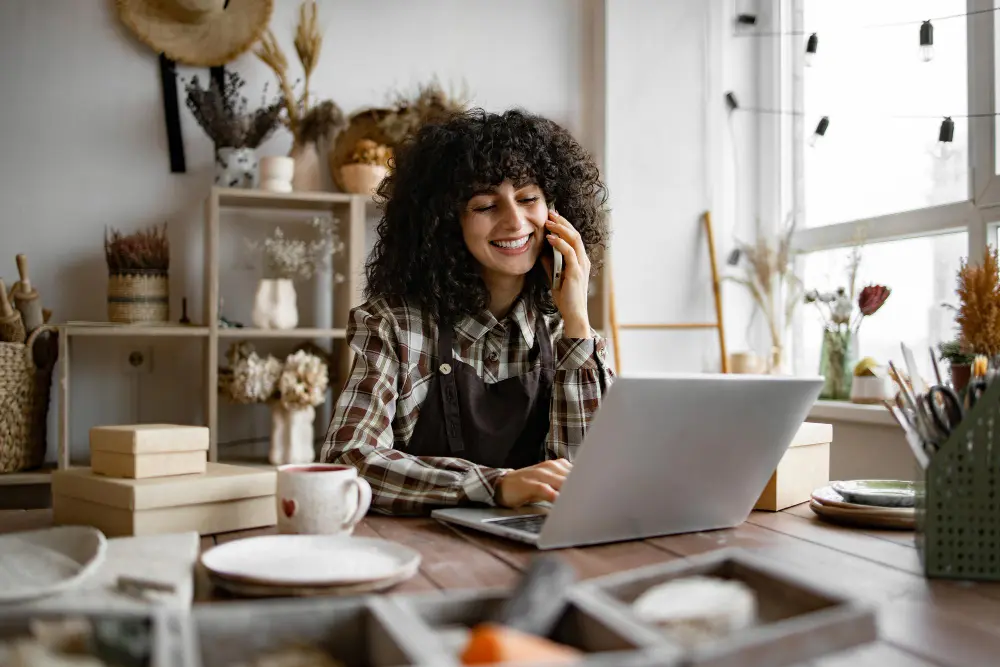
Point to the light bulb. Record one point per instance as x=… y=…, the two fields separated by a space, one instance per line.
x=946 y=136
x=821 y=127
x=811 y=46
x=926 y=41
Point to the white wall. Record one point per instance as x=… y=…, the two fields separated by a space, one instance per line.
x=670 y=158
x=83 y=143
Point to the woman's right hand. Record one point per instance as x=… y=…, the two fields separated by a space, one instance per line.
x=537 y=483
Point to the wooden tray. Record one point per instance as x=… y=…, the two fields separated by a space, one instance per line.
x=357 y=631
x=445 y=618
x=168 y=644
x=798 y=621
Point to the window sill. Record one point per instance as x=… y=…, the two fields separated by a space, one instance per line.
x=845 y=411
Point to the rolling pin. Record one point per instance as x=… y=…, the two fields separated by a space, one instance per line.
x=11 y=326
x=26 y=298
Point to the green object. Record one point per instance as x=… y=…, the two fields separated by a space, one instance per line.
x=958 y=508
x=836 y=364
x=878 y=492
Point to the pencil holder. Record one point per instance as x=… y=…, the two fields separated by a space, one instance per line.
x=957 y=517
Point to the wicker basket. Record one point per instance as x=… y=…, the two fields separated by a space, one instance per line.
x=139 y=296
x=362 y=179
x=24 y=403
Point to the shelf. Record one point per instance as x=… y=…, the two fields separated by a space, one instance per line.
x=112 y=329
x=41 y=475
x=282 y=333
x=296 y=201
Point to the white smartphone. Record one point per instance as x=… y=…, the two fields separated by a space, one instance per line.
x=557 y=269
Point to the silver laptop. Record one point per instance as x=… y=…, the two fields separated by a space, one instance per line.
x=665 y=454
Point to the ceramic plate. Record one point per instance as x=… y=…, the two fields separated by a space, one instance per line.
x=862 y=519
x=309 y=560
x=39 y=563
x=251 y=590
x=827 y=496
x=877 y=492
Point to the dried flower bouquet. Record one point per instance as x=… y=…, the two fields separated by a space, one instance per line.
x=298 y=382
x=224 y=116
x=298 y=258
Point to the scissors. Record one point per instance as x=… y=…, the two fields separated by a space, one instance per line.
x=944 y=409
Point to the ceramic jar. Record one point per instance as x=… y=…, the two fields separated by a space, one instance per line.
x=275 y=304
x=236 y=168
x=276 y=173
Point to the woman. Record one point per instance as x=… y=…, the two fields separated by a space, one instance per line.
x=473 y=381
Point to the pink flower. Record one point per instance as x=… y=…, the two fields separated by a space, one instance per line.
x=871 y=299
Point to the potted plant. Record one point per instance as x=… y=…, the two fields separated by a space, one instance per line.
x=138 y=275
x=236 y=132
x=292 y=387
x=959 y=363
x=311 y=125
x=368 y=165
x=286 y=260
x=978 y=317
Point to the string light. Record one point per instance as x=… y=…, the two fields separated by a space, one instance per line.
x=926 y=41
x=747 y=19
x=731 y=101
x=811 y=45
x=821 y=127
x=945 y=136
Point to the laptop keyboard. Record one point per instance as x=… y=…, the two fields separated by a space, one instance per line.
x=531 y=523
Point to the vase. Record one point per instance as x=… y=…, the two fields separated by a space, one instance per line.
x=291 y=434
x=836 y=364
x=308 y=176
x=275 y=305
x=236 y=168
x=277 y=173
x=960 y=375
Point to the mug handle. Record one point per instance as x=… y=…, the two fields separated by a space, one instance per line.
x=364 y=502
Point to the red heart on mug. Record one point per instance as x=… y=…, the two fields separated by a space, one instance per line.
x=288 y=507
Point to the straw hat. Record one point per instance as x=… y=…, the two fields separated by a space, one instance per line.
x=203 y=33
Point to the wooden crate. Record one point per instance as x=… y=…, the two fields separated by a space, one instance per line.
x=605 y=636
x=166 y=630
x=797 y=621
x=357 y=631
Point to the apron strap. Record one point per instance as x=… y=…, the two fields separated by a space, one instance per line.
x=449 y=389
x=545 y=345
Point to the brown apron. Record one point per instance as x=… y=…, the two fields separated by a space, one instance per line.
x=500 y=425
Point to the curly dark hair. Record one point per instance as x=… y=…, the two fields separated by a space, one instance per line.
x=420 y=253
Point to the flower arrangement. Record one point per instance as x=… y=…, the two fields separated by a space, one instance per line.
x=224 y=116
x=307 y=123
x=839 y=313
x=768 y=274
x=298 y=258
x=144 y=250
x=430 y=103
x=371 y=153
x=298 y=382
x=978 y=316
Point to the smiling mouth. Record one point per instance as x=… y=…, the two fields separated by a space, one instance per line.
x=512 y=244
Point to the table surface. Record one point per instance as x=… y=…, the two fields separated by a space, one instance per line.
x=921 y=621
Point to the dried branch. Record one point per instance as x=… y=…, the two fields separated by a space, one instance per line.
x=271 y=55
x=308 y=42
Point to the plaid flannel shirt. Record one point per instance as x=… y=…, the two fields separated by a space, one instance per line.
x=395 y=358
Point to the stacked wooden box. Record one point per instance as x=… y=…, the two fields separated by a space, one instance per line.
x=146 y=479
x=804 y=468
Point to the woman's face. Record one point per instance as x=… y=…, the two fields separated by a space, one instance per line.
x=504 y=228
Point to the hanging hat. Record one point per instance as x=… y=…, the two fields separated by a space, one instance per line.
x=202 y=33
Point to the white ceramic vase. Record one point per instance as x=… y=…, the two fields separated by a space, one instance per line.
x=276 y=173
x=275 y=305
x=236 y=168
x=291 y=435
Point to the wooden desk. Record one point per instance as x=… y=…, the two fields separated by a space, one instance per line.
x=922 y=622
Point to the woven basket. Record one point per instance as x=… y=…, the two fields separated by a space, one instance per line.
x=138 y=296
x=24 y=403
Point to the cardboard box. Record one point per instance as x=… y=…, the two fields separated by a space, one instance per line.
x=225 y=498
x=138 y=451
x=804 y=468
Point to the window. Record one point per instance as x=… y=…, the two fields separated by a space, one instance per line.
x=880 y=173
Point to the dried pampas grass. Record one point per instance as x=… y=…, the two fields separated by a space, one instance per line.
x=978 y=316
x=144 y=250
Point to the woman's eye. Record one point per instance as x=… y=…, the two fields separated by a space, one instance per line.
x=482 y=209
x=529 y=200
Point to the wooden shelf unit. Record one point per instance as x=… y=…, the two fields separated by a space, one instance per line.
x=351 y=212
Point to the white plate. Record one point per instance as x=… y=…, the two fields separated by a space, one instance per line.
x=39 y=563
x=309 y=560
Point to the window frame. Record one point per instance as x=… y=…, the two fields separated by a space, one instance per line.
x=783 y=150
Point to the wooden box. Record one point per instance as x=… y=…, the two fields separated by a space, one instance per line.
x=804 y=468
x=159 y=637
x=606 y=637
x=148 y=450
x=225 y=498
x=797 y=621
x=357 y=631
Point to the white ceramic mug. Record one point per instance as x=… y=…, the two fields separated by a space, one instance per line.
x=321 y=498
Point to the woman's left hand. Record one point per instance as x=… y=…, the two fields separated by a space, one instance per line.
x=571 y=297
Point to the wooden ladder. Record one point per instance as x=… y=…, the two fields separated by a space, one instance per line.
x=616 y=327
